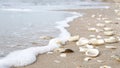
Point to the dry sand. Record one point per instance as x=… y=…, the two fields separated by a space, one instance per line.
x=80 y=27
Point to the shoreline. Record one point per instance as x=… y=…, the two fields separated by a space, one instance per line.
x=78 y=27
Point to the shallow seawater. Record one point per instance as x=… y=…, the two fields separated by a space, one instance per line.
x=19 y=30
x=22 y=26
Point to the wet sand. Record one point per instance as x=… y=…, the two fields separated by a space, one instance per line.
x=80 y=27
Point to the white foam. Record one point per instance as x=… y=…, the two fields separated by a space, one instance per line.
x=28 y=56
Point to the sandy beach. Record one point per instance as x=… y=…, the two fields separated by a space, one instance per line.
x=80 y=27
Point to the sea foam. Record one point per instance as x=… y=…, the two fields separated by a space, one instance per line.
x=28 y=56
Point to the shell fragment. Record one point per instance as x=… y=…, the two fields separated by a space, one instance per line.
x=92 y=52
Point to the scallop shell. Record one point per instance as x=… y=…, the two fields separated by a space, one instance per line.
x=108 y=29
x=92 y=52
x=111 y=40
x=100 y=25
x=109 y=33
x=95 y=41
x=82 y=41
x=105 y=66
x=108 y=21
x=74 y=38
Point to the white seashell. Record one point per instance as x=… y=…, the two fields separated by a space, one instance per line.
x=56 y=61
x=108 y=21
x=100 y=25
x=92 y=29
x=82 y=41
x=99 y=37
x=63 y=55
x=95 y=41
x=74 y=38
x=109 y=33
x=83 y=49
x=59 y=49
x=100 y=61
x=111 y=40
x=89 y=46
x=110 y=47
x=92 y=36
x=108 y=29
x=105 y=66
x=92 y=52
x=93 y=16
x=87 y=58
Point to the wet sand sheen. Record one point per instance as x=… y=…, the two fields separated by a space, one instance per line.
x=80 y=27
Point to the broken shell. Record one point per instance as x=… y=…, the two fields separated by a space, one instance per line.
x=111 y=40
x=95 y=41
x=116 y=57
x=105 y=66
x=87 y=58
x=68 y=51
x=92 y=52
x=63 y=55
x=109 y=33
x=93 y=16
x=74 y=38
x=59 y=50
x=108 y=22
x=82 y=41
x=92 y=36
x=83 y=49
x=110 y=47
x=92 y=29
x=108 y=29
x=100 y=25
x=100 y=61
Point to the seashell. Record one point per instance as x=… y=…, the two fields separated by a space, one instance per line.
x=100 y=61
x=99 y=37
x=108 y=29
x=82 y=41
x=74 y=38
x=87 y=58
x=93 y=16
x=100 y=25
x=92 y=36
x=116 y=57
x=92 y=52
x=63 y=55
x=89 y=46
x=68 y=51
x=59 y=50
x=83 y=49
x=109 y=33
x=111 y=40
x=108 y=21
x=110 y=47
x=105 y=66
x=95 y=41
x=92 y=29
